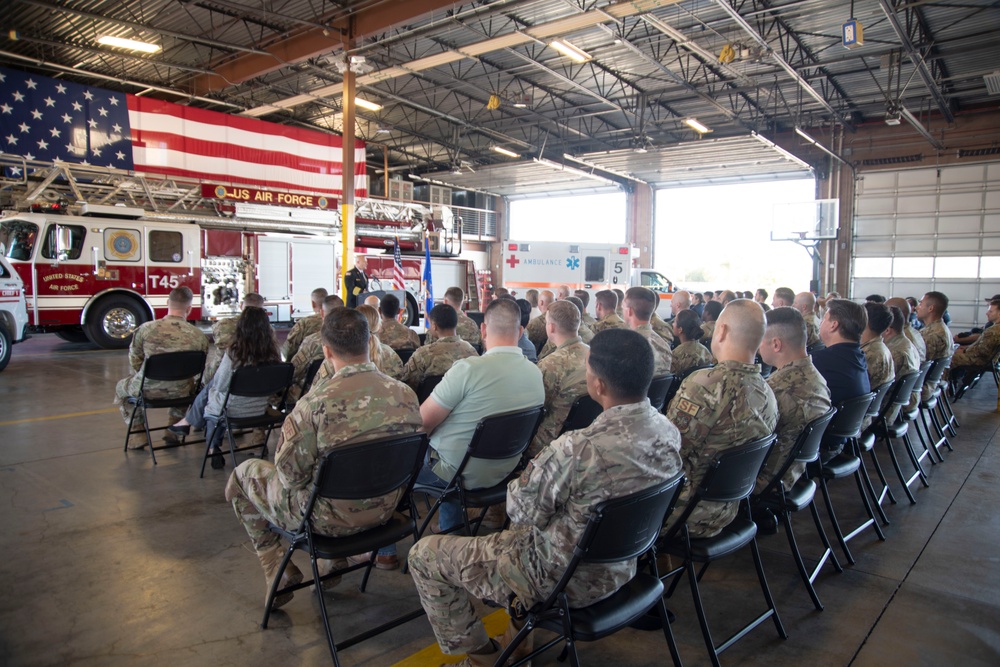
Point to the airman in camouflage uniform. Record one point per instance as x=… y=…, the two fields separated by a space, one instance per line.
x=905 y=359
x=708 y=328
x=664 y=330
x=723 y=407
x=467 y=329
x=629 y=447
x=935 y=333
x=170 y=334
x=690 y=354
x=435 y=359
x=812 y=329
x=639 y=305
x=662 y=353
x=586 y=335
x=389 y=362
x=979 y=354
x=350 y=402
x=879 y=359
x=609 y=321
x=398 y=336
x=223 y=333
x=605 y=304
x=916 y=340
x=310 y=350
x=564 y=373
x=536 y=331
x=305 y=326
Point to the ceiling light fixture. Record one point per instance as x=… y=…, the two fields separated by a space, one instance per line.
x=693 y=123
x=504 y=151
x=570 y=51
x=365 y=104
x=132 y=44
x=805 y=135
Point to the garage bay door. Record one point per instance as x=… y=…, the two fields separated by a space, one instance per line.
x=917 y=230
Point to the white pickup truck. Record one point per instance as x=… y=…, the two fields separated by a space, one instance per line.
x=13 y=312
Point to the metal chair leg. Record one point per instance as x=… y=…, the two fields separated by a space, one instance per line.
x=786 y=519
x=899 y=471
x=833 y=519
x=766 y=589
x=886 y=491
x=828 y=553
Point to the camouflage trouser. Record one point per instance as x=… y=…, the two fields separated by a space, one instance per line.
x=447 y=570
x=123 y=391
x=258 y=499
x=708 y=518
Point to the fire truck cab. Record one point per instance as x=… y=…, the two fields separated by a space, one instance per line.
x=98 y=275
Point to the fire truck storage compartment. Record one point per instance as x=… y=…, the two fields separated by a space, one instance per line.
x=290 y=268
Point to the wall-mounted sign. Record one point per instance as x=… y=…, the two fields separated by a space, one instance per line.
x=272 y=197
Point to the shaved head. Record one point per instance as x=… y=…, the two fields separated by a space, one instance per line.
x=680 y=301
x=805 y=302
x=902 y=304
x=745 y=321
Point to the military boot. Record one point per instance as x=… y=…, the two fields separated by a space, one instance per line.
x=325 y=567
x=479 y=659
x=522 y=650
x=270 y=559
x=137 y=441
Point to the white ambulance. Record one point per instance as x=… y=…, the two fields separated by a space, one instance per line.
x=13 y=311
x=589 y=266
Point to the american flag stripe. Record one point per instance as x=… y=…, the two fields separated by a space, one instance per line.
x=397 y=267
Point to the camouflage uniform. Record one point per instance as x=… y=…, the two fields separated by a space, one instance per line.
x=937 y=337
x=612 y=321
x=812 y=330
x=917 y=340
x=536 y=330
x=304 y=327
x=467 y=330
x=662 y=356
x=171 y=334
x=879 y=360
x=905 y=360
x=707 y=329
x=690 y=354
x=564 y=375
x=435 y=359
x=802 y=396
x=664 y=330
x=584 y=332
x=310 y=350
x=223 y=334
x=980 y=353
x=398 y=336
x=628 y=448
x=352 y=405
x=390 y=364
x=717 y=409
x=588 y=319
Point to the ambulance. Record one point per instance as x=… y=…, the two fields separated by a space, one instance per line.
x=588 y=266
x=13 y=310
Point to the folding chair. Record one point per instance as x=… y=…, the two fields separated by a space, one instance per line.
x=866 y=443
x=503 y=436
x=617 y=530
x=730 y=478
x=928 y=409
x=255 y=382
x=311 y=372
x=582 y=414
x=678 y=380
x=354 y=472
x=657 y=391
x=404 y=355
x=426 y=387
x=898 y=429
x=167 y=367
x=846 y=425
x=783 y=502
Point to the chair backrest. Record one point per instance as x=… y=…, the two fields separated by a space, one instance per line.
x=314 y=366
x=678 y=379
x=879 y=401
x=370 y=469
x=582 y=414
x=805 y=449
x=263 y=380
x=850 y=414
x=902 y=388
x=733 y=474
x=504 y=435
x=658 y=388
x=937 y=370
x=173 y=366
x=404 y=355
x=426 y=387
x=815 y=347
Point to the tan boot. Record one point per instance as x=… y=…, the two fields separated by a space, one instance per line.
x=325 y=567
x=258 y=438
x=479 y=659
x=270 y=560
x=523 y=649
x=137 y=441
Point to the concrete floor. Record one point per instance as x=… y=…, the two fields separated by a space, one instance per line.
x=108 y=560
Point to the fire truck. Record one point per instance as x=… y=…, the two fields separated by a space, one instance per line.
x=99 y=250
x=589 y=266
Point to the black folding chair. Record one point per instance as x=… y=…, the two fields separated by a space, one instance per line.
x=928 y=408
x=426 y=387
x=582 y=414
x=882 y=429
x=166 y=367
x=251 y=382
x=404 y=355
x=866 y=443
x=784 y=501
x=503 y=436
x=311 y=372
x=730 y=478
x=617 y=530
x=846 y=425
x=659 y=386
x=354 y=472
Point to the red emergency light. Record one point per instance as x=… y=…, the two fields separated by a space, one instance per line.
x=623 y=251
x=512 y=246
x=47 y=207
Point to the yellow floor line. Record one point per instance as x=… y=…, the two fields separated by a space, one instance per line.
x=432 y=656
x=68 y=415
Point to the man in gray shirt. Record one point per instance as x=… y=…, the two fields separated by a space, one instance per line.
x=499 y=381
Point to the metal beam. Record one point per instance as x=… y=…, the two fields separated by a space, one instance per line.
x=919 y=127
x=918 y=62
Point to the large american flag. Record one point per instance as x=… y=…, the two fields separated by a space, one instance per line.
x=49 y=119
x=397 y=267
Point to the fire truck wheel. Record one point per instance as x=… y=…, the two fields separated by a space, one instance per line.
x=412 y=311
x=73 y=335
x=5 y=345
x=111 y=322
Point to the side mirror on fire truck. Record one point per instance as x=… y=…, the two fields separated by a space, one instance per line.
x=63 y=242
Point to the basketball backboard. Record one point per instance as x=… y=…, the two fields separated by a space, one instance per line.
x=805 y=221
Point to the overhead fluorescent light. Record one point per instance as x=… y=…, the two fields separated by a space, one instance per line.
x=693 y=123
x=570 y=51
x=805 y=135
x=132 y=44
x=365 y=104
x=504 y=151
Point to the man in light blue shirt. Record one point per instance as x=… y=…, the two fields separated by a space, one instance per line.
x=499 y=381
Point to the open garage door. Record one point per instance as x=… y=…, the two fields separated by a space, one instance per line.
x=917 y=230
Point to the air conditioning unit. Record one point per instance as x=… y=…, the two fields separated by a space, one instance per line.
x=993 y=82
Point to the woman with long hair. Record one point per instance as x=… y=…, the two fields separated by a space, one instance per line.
x=383 y=356
x=255 y=344
x=690 y=353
